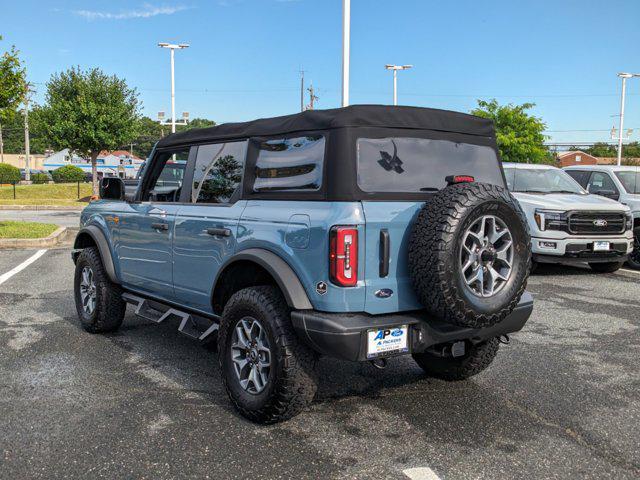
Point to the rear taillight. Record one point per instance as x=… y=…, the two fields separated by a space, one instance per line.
x=343 y=256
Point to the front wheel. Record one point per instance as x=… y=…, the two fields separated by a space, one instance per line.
x=608 y=267
x=634 y=256
x=446 y=367
x=267 y=372
x=99 y=301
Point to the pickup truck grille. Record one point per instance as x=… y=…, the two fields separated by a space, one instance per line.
x=594 y=223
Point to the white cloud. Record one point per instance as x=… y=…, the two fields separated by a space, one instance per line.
x=146 y=11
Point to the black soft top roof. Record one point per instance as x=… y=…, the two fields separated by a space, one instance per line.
x=353 y=116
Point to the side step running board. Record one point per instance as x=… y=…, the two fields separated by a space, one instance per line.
x=188 y=324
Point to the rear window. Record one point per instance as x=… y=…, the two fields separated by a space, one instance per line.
x=630 y=180
x=290 y=164
x=415 y=165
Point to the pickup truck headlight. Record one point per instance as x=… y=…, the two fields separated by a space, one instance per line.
x=629 y=224
x=545 y=218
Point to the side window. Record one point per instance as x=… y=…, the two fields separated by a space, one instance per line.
x=167 y=176
x=600 y=182
x=218 y=172
x=580 y=176
x=290 y=164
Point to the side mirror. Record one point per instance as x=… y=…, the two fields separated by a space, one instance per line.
x=609 y=194
x=112 y=188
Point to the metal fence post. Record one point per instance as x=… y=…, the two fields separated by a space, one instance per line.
x=78 y=189
x=14 y=190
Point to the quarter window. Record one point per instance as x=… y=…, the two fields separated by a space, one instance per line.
x=218 y=172
x=290 y=164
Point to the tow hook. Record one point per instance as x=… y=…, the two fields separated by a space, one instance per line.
x=504 y=339
x=379 y=363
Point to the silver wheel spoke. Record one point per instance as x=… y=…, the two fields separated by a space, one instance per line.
x=251 y=355
x=486 y=255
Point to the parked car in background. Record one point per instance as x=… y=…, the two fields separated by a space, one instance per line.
x=618 y=183
x=567 y=224
x=32 y=171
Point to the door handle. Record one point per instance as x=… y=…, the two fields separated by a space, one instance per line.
x=160 y=226
x=219 y=232
x=385 y=252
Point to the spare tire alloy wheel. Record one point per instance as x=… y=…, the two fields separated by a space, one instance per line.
x=486 y=256
x=251 y=355
x=470 y=254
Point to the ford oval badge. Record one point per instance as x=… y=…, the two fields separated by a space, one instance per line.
x=384 y=293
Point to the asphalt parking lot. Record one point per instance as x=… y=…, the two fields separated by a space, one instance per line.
x=562 y=401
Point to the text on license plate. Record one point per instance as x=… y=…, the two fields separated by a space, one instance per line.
x=387 y=340
x=601 y=246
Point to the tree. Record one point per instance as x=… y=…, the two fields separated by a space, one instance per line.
x=89 y=111
x=13 y=87
x=519 y=134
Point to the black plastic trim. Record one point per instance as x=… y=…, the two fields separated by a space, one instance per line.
x=100 y=240
x=289 y=283
x=343 y=335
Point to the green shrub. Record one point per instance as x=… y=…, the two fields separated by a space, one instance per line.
x=68 y=174
x=39 y=178
x=9 y=173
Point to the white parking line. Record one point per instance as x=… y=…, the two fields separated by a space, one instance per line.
x=6 y=276
x=421 y=473
x=637 y=272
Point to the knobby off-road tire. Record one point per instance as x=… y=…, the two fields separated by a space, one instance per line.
x=109 y=307
x=291 y=382
x=476 y=359
x=608 y=267
x=634 y=256
x=436 y=254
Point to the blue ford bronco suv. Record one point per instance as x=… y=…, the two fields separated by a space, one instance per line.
x=358 y=233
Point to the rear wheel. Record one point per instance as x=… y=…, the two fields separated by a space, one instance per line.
x=267 y=372
x=446 y=367
x=608 y=267
x=99 y=301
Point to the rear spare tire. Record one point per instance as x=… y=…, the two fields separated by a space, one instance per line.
x=470 y=254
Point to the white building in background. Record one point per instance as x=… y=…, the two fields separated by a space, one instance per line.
x=108 y=164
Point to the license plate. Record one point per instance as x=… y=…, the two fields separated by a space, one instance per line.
x=388 y=340
x=601 y=246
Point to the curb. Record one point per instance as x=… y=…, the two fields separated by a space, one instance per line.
x=44 y=207
x=58 y=237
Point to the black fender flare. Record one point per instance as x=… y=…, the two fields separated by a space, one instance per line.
x=99 y=238
x=289 y=283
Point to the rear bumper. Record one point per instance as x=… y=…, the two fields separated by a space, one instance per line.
x=344 y=335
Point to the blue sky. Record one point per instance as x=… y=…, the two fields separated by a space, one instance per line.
x=245 y=55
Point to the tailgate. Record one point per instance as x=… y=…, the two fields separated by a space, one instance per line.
x=393 y=219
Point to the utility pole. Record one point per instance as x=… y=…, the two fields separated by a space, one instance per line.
x=624 y=77
x=1 y=146
x=27 y=148
x=346 y=50
x=312 y=97
x=301 y=90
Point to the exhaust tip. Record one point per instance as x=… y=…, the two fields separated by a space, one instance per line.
x=379 y=363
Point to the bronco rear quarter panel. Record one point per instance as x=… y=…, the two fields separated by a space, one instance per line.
x=298 y=232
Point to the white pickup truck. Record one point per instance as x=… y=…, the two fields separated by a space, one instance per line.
x=567 y=224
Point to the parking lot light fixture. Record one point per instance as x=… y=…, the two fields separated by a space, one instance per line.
x=624 y=76
x=172 y=48
x=395 y=69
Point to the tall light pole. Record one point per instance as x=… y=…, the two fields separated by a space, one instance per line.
x=172 y=48
x=395 y=69
x=624 y=77
x=346 y=47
